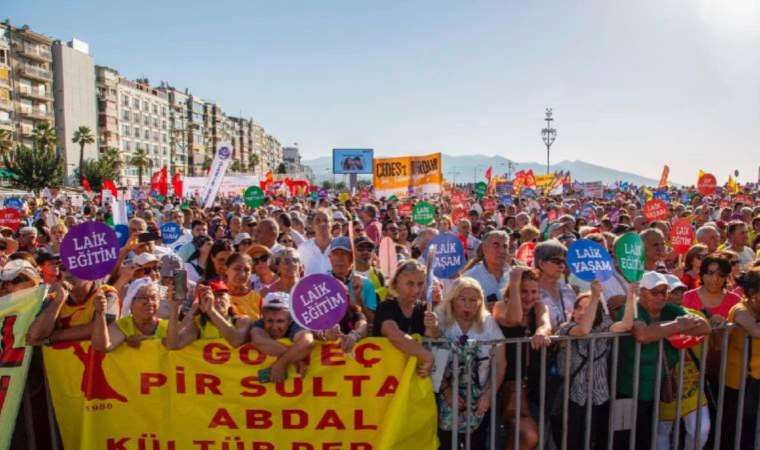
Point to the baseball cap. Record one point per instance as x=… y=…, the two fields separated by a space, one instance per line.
x=144 y=259
x=652 y=279
x=277 y=300
x=363 y=240
x=339 y=243
x=338 y=215
x=240 y=237
x=218 y=286
x=674 y=283
x=19 y=267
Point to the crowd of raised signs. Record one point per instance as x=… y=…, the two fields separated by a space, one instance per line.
x=455 y=267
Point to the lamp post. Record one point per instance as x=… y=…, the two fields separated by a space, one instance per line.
x=511 y=168
x=548 y=134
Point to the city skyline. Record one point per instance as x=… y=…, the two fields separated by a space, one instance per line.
x=669 y=82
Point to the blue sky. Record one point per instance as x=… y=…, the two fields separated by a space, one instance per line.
x=634 y=85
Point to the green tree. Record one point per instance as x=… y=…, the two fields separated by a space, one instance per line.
x=326 y=184
x=37 y=167
x=281 y=168
x=236 y=166
x=253 y=161
x=43 y=136
x=82 y=136
x=207 y=160
x=340 y=186
x=97 y=171
x=142 y=161
x=112 y=157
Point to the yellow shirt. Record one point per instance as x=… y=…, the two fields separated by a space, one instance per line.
x=248 y=305
x=736 y=346
x=690 y=387
x=127 y=326
x=73 y=315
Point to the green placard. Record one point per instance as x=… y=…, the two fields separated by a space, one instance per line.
x=314 y=196
x=629 y=252
x=392 y=198
x=254 y=196
x=423 y=213
x=480 y=189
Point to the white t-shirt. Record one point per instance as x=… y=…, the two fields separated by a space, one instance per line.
x=313 y=259
x=490 y=331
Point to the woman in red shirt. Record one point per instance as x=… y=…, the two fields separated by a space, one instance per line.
x=692 y=263
x=712 y=297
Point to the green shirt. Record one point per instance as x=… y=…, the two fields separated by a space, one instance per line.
x=648 y=362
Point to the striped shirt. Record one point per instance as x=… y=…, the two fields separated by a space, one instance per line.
x=579 y=356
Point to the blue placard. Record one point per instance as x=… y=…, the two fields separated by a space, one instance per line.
x=662 y=195
x=128 y=207
x=13 y=202
x=528 y=193
x=589 y=261
x=449 y=255
x=506 y=200
x=122 y=233
x=587 y=212
x=685 y=197
x=170 y=232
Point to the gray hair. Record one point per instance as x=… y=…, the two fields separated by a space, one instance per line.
x=547 y=250
x=703 y=231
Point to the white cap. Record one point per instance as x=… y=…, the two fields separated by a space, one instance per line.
x=240 y=237
x=652 y=279
x=144 y=258
x=19 y=267
x=674 y=283
x=338 y=215
x=277 y=300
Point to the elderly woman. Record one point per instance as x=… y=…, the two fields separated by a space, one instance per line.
x=142 y=323
x=747 y=315
x=211 y=317
x=589 y=317
x=556 y=294
x=287 y=265
x=463 y=315
x=521 y=314
x=263 y=275
x=57 y=232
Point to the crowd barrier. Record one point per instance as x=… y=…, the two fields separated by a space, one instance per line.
x=34 y=428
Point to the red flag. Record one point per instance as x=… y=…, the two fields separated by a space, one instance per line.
x=664 y=177
x=177 y=184
x=530 y=179
x=108 y=184
x=488 y=174
x=159 y=182
x=86 y=185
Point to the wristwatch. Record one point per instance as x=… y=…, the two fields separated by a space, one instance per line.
x=48 y=341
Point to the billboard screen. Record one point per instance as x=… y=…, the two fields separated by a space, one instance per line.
x=352 y=160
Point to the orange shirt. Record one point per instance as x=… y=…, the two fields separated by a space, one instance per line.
x=72 y=315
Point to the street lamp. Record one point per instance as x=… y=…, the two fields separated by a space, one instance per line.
x=548 y=134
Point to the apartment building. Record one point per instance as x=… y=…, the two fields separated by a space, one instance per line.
x=75 y=100
x=180 y=127
x=142 y=120
x=26 y=81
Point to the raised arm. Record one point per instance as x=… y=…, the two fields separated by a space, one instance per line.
x=44 y=325
x=626 y=323
x=583 y=327
x=179 y=335
x=509 y=312
x=104 y=337
x=236 y=335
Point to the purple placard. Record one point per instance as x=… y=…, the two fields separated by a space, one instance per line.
x=319 y=302
x=90 y=250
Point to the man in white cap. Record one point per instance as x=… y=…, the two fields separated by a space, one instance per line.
x=656 y=319
x=276 y=323
x=17 y=275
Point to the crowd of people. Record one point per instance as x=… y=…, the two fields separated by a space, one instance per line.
x=242 y=263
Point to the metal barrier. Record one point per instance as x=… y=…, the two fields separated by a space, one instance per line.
x=548 y=437
x=616 y=438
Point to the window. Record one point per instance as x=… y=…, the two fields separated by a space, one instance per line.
x=155 y=122
x=155 y=109
x=155 y=135
x=125 y=114
x=125 y=146
x=125 y=130
x=138 y=147
x=163 y=124
x=147 y=133
x=136 y=103
x=137 y=132
x=125 y=100
x=145 y=106
x=163 y=111
x=136 y=117
x=163 y=138
x=146 y=120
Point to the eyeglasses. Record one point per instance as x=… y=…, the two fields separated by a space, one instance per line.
x=260 y=259
x=365 y=248
x=557 y=261
x=659 y=292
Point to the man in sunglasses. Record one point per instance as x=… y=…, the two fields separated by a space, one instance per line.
x=50 y=266
x=363 y=265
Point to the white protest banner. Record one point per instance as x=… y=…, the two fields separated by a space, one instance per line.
x=119 y=212
x=216 y=174
x=231 y=185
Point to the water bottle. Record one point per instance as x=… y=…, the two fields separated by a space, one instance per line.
x=112 y=305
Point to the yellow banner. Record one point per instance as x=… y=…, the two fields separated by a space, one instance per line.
x=208 y=397
x=407 y=174
x=17 y=311
x=544 y=181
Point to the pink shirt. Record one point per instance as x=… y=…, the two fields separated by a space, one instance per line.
x=691 y=300
x=374 y=231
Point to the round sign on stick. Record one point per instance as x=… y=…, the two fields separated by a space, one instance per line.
x=629 y=252
x=253 y=197
x=13 y=202
x=10 y=218
x=405 y=209
x=449 y=255
x=656 y=209
x=525 y=253
x=423 y=213
x=90 y=250
x=681 y=236
x=480 y=189
x=343 y=197
x=589 y=260
x=170 y=232
x=319 y=302
x=706 y=184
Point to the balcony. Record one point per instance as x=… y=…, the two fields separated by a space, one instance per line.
x=40 y=54
x=6 y=105
x=35 y=73
x=31 y=93
x=35 y=113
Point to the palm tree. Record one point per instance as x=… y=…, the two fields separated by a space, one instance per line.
x=82 y=136
x=44 y=136
x=113 y=158
x=207 y=160
x=253 y=161
x=142 y=161
x=6 y=141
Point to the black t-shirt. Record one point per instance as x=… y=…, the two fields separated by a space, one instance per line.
x=390 y=310
x=531 y=359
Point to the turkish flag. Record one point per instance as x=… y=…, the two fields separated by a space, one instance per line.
x=177 y=184
x=488 y=174
x=159 y=182
x=86 y=185
x=108 y=184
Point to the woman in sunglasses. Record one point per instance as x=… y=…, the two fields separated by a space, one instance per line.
x=556 y=293
x=140 y=324
x=263 y=275
x=287 y=264
x=692 y=262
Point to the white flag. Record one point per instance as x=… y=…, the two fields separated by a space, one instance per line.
x=216 y=174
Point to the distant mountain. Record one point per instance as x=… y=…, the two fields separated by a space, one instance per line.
x=466 y=168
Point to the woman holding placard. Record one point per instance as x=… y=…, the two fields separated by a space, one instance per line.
x=400 y=317
x=520 y=313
